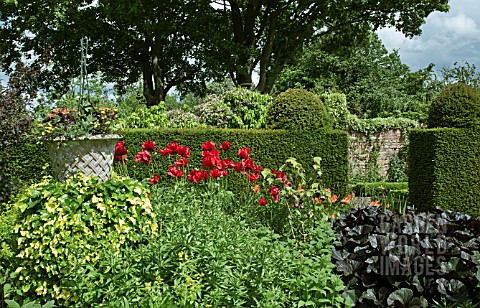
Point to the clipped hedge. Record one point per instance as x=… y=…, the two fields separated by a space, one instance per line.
x=270 y=148
x=443 y=169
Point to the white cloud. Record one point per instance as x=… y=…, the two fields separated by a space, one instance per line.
x=446 y=38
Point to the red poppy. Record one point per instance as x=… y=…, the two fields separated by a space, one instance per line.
x=198 y=175
x=120 y=158
x=247 y=164
x=211 y=153
x=279 y=174
x=184 y=151
x=210 y=162
x=120 y=149
x=262 y=202
x=333 y=198
x=155 y=179
x=165 y=152
x=143 y=157
x=148 y=145
x=173 y=147
x=244 y=153
x=227 y=163
x=237 y=167
x=225 y=146
x=174 y=171
x=181 y=162
x=208 y=146
x=275 y=193
x=253 y=177
x=257 y=169
x=215 y=173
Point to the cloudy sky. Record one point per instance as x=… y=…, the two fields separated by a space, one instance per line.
x=447 y=38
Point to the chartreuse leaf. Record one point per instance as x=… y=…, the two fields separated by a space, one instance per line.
x=12 y=304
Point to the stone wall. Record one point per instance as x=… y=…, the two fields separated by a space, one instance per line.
x=380 y=145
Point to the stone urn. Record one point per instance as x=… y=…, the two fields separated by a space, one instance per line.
x=91 y=155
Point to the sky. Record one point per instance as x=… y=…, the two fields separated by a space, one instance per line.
x=446 y=38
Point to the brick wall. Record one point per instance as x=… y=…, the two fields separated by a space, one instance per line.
x=384 y=143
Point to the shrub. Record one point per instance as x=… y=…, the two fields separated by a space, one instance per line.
x=298 y=109
x=457 y=105
x=144 y=117
x=238 y=108
x=407 y=260
x=180 y=118
x=80 y=221
x=443 y=169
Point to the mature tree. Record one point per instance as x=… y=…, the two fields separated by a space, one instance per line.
x=159 y=42
x=375 y=81
x=268 y=33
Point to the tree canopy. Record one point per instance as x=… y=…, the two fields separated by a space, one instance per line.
x=183 y=44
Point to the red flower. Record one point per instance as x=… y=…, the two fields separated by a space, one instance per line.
x=237 y=167
x=215 y=173
x=198 y=175
x=184 y=151
x=148 y=145
x=208 y=146
x=174 y=171
x=120 y=149
x=244 y=153
x=333 y=198
x=143 y=157
x=173 y=147
x=257 y=169
x=181 y=162
x=253 y=177
x=165 y=152
x=279 y=174
x=211 y=153
x=155 y=179
x=121 y=158
x=262 y=202
x=225 y=146
x=227 y=163
x=275 y=193
x=247 y=164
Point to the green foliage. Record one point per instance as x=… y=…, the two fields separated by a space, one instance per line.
x=271 y=148
x=250 y=108
x=457 y=105
x=79 y=222
x=14 y=123
x=297 y=109
x=466 y=73
x=143 y=117
x=237 y=108
x=377 y=188
x=14 y=304
x=202 y=257
x=375 y=82
x=407 y=260
x=443 y=169
x=397 y=168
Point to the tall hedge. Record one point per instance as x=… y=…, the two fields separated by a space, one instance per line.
x=444 y=169
x=268 y=147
